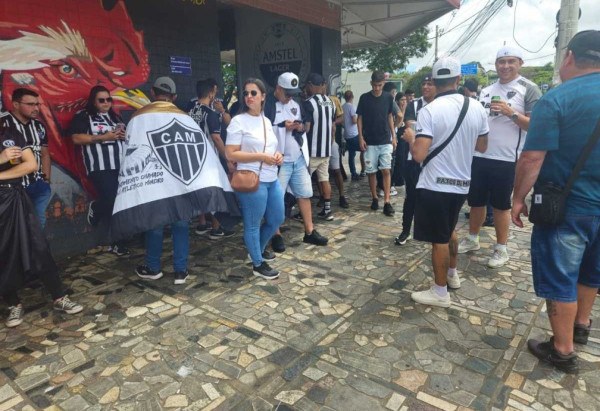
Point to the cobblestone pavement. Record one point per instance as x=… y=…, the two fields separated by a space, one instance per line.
x=337 y=331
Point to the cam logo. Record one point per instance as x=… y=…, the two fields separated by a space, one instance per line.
x=180 y=149
x=8 y=143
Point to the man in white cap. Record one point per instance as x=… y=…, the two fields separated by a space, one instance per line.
x=286 y=117
x=509 y=102
x=449 y=130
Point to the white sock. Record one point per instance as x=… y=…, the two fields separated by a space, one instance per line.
x=452 y=272
x=441 y=291
x=501 y=247
x=474 y=237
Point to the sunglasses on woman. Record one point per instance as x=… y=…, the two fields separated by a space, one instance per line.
x=252 y=93
x=104 y=100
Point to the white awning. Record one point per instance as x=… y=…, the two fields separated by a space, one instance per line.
x=366 y=23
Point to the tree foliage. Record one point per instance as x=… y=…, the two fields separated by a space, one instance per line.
x=414 y=81
x=388 y=58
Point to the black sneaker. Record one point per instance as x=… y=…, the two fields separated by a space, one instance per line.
x=325 y=215
x=277 y=243
x=375 y=204
x=203 y=228
x=362 y=174
x=298 y=217
x=180 y=277
x=402 y=238
x=388 y=210
x=581 y=333
x=315 y=238
x=344 y=202
x=266 y=256
x=143 y=271
x=545 y=351
x=93 y=221
x=119 y=251
x=355 y=177
x=218 y=233
x=265 y=271
x=321 y=202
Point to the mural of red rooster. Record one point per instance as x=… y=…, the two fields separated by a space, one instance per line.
x=61 y=55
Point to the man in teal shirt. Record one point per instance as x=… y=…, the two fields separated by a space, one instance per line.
x=566 y=258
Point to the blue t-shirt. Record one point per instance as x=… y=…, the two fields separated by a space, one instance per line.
x=561 y=124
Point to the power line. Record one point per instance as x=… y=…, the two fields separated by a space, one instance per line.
x=517 y=41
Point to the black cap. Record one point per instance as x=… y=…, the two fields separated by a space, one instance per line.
x=427 y=77
x=586 y=44
x=315 y=79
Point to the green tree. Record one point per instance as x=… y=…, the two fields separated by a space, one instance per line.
x=388 y=58
x=228 y=71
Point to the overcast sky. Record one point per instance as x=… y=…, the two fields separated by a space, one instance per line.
x=535 y=21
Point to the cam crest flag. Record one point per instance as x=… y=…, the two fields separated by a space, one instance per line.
x=170 y=172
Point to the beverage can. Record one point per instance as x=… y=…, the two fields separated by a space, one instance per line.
x=495 y=99
x=15 y=161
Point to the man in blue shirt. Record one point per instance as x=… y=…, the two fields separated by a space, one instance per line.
x=566 y=258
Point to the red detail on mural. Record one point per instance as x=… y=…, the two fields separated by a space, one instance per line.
x=63 y=56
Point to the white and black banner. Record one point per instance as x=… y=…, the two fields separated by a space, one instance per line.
x=169 y=173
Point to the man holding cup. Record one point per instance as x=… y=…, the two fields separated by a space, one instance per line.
x=509 y=103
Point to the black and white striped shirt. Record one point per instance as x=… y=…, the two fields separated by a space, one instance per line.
x=35 y=136
x=98 y=156
x=319 y=110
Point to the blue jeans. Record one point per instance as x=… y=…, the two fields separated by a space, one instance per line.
x=564 y=256
x=40 y=193
x=352 y=146
x=267 y=203
x=295 y=175
x=181 y=246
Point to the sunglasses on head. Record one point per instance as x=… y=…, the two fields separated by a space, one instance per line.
x=104 y=100
x=252 y=93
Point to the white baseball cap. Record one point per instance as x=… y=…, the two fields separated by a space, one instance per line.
x=446 y=67
x=289 y=82
x=509 y=51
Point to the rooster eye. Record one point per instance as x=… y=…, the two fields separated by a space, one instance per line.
x=67 y=70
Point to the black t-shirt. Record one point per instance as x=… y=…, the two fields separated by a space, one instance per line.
x=374 y=112
x=9 y=137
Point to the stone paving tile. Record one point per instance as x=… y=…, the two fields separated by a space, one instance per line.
x=336 y=331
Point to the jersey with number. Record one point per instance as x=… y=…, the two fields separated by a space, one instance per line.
x=506 y=138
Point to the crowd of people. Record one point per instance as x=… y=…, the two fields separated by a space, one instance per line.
x=445 y=147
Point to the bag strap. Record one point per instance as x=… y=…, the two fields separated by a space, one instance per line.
x=265 y=146
x=461 y=117
x=585 y=153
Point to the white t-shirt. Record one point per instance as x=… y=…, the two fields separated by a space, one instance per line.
x=350 y=129
x=287 y=144
x=506 y=138
x=247 y=131
x=450 y=170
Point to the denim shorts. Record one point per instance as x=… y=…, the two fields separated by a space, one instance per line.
x=295 y=175
x=378 y=157
x=564 y=256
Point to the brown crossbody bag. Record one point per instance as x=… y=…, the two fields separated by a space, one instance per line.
x=247 y=181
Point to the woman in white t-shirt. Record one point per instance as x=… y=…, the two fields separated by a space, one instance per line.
x=252 y=145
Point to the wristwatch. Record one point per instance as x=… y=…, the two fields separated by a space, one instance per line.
x=514 y=116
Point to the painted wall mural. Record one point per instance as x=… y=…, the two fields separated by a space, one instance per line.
x=61 y=56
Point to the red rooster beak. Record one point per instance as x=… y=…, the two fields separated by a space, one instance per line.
x=128 y=99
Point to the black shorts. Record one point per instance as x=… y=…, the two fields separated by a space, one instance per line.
x=436 y=215
x=493 y=181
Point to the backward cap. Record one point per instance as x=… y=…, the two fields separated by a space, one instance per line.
x=446 y=67
x=165 y=84
x=586 y=44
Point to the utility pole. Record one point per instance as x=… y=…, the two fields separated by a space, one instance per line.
x=568 y=18
x=436 y=42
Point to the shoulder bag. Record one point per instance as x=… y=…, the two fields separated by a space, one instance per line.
x=247 y=181
x=549 y=200
x=461 y=117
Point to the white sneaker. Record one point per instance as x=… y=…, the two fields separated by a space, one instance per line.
x=381 y=193
x=430 y=297
x=453 y=282
x=466 y=245
x=498 y=259
x=393 y=191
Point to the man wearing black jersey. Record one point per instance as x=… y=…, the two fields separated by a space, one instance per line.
x=23 y=118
